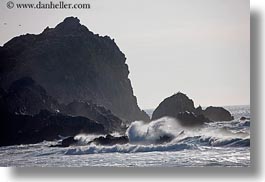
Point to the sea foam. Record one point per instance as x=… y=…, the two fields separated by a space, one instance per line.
x=143 y=136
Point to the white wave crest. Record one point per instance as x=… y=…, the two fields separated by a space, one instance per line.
x=143 y=138
x=128 y=148
x=148 y=133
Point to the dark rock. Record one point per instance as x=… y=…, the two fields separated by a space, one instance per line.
x=191 y=119
x=72 y=63
x=173 y=105
x=26 y=97
x=246 y=123
x=26 y=129
x=217 y=114
x=98 y=113
x=182 y=108
x=66 y=142
x=164 y=139
x=29 y=115
x=199 y=110
x=243 y=118
x=70 y=26
x=3 y=103
x=110 y=140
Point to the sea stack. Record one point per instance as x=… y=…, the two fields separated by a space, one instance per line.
x=173 y=105
x=181 y=107
x=73 y=64
x=217 y=114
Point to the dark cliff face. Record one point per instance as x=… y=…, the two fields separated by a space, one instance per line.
x=29 y=115
x=173 y=105
x=26 y=97
x=72 y=63
x=94 y=112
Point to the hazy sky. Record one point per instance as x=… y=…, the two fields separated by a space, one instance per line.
x=199 y=47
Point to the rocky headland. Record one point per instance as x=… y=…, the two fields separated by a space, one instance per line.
x=64 y=81
x=73 y=64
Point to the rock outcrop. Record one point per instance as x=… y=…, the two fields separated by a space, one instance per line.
x=164 y=139
x=191 y=119
x=29 y=115
x=173 y=105
x=182 y=108
x=110 y=140
x=26 y=129
x=98 y=113
x=69 y=141
x=25 y=96
x=72 y=63
x=121 y=140
x=243 y=118
x=217 y=114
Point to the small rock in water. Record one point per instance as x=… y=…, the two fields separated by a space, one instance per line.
x=110 y=140
x=164 y=139
x=243 y=118
x=66 y=142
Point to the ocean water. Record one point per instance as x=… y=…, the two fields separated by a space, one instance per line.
x=215 y=144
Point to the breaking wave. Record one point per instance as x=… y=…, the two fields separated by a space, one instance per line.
x=128 y=148
x=140 y=132
x=143 y=136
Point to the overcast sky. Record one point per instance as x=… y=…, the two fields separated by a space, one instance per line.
x=198 y=47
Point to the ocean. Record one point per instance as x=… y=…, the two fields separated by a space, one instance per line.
x=220 y=144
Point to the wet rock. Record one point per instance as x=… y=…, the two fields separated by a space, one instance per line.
x=182 y=108
x=217 y=114
x=164 y=139
x=191 y=119
x=243 y=118
x=173 y=105
x=110 y=140
x=27 y=129
x=246 y=124
x=29 y=115
x=66 y=142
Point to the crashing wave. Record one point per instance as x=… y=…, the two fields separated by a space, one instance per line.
x=128 y=148
x=143 y=137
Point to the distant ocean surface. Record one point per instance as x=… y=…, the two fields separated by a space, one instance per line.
x=214 y=144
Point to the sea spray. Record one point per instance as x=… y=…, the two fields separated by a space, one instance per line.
x=84 y=139
x=143 y=136
x=212 y=144
x=149 y=133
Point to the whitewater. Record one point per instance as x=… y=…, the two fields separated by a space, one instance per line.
x=213 y=144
